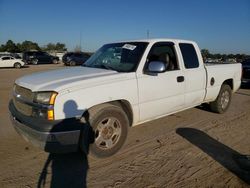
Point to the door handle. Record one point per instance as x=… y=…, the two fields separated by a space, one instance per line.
x=180 y=79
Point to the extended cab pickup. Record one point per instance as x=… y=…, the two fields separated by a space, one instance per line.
x=122 y=85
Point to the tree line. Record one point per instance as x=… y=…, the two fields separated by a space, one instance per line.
x=26 y=45
x=238 y=57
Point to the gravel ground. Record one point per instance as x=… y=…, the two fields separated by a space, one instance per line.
x=193 y=148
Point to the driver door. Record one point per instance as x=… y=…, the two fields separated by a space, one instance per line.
x=162 y=93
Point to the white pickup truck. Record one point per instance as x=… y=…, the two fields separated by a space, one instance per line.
x=122 y=85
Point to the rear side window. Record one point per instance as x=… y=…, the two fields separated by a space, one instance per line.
x=189 y=55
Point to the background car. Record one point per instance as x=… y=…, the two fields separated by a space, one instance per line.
x=15 y=55
x=245 y=71
x=39 y=57
x=9 y=61
x=75 y=58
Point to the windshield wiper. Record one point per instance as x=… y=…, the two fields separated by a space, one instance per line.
x=105 y=66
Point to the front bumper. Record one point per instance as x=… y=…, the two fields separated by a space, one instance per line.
x=245 y=80
x=52 y=139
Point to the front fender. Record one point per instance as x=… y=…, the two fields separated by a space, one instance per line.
x=74 y=103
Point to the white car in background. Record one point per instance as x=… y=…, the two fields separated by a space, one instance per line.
x=9 y=61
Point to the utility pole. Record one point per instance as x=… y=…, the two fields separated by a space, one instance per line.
x=80 y=40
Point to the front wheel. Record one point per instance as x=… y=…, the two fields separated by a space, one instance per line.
x=110 y=127
x=17 y=65
x=222 y=102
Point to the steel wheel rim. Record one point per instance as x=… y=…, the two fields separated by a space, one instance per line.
x=225 y=97
x=35 y=61
x=107 y=133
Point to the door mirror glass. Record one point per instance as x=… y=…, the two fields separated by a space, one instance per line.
x=157 y=67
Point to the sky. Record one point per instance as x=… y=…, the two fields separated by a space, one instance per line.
x=222 y=26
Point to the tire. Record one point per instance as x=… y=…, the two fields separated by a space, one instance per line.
x=55 y=61
x=72 y=63
x=109 y=124
x=223 y=100
x=17 y=65
x=34 y=61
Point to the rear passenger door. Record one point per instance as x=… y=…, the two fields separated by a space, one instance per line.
x=195 y=74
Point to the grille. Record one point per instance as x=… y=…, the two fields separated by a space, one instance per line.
x=23 y=92
x=23 y=108
x=26 y=95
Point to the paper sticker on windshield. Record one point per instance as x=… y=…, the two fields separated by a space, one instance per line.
x=129 y=46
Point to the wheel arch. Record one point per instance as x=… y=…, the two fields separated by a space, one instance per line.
x=126 y=106
x=229 y=82
x=14 y=64
x=123 y=104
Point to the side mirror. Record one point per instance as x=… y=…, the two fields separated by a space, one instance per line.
x=156 y=67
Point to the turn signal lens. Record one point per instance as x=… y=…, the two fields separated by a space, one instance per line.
x=50 y=114
x=52 y=99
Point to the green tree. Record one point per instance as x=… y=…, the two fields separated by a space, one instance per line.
x=50 y=47
x=205 y=53
x=55 y=47
x=10 y=46
x=29 y=45
x=60 y=47
x=2 y=48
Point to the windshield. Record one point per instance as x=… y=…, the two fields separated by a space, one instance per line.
x=121 y=57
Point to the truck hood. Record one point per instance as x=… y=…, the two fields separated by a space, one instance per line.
x=57 y=80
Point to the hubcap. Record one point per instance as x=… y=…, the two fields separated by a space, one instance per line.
x=107 y=133
x=225 y=97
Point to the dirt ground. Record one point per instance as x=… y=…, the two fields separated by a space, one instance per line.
x=193 y=148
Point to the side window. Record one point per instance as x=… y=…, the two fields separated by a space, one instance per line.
x=78 y=55
x=165 y=52
x=189 y=55
x=6 y=58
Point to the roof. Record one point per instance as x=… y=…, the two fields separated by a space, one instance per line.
x=7 y=56
x=159 y=40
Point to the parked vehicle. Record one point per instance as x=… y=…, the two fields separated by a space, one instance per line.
x=38 y=57
x=75 y=58
x=15 y=55
x=9 y=61
x=246 y=71
x=122 y=85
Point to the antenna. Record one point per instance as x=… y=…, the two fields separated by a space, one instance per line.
x=80 y=40
x=148 y=34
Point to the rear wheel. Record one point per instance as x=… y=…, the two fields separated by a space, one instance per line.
x=34 y=61
x=110 y=127
x=222 y=102
x=55 y=61
x=17 y=65
x=72 y=63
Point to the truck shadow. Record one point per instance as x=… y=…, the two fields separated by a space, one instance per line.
x=204 y=107
x=218 y=151
x=68 y=169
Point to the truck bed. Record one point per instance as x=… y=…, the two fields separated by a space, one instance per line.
x=221 y=72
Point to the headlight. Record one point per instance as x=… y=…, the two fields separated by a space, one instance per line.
x=45 y=97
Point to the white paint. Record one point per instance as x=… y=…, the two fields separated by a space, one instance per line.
x=10 y=62
x=150 y=97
